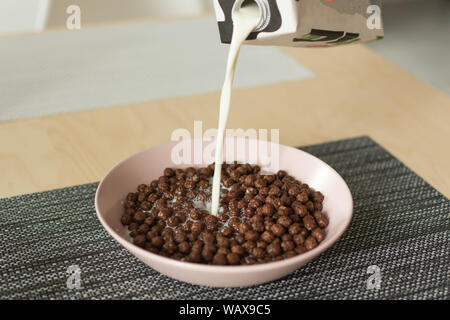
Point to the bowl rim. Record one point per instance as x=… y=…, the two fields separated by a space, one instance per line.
x=229 y=269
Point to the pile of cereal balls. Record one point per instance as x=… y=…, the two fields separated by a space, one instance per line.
x=262 y=217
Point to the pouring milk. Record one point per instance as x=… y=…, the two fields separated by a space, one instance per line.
x=287 y=23
x=245 y=20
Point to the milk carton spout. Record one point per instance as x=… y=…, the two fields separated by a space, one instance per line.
x=263 y=11
x=293 y=23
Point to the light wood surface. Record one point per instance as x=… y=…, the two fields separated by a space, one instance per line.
x=355 y=92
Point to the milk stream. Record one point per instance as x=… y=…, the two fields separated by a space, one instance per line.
x=245 y=21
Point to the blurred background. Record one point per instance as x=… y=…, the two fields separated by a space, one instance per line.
x=417 y=31
x=157 y=65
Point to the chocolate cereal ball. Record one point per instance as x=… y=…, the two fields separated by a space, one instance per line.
x=263 y=217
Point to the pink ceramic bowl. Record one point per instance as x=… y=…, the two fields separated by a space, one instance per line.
x=149 y=164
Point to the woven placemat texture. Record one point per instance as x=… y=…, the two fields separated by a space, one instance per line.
x=401 y=226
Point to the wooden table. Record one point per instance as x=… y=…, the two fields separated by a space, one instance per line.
x=355 y=92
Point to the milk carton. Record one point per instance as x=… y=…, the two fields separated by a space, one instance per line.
x=306 y=23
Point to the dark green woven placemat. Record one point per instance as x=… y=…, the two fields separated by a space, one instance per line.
x=401 y=225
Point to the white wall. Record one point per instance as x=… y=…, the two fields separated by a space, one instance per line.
x=23 y=15
x=18 y=16
x=94 y=11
